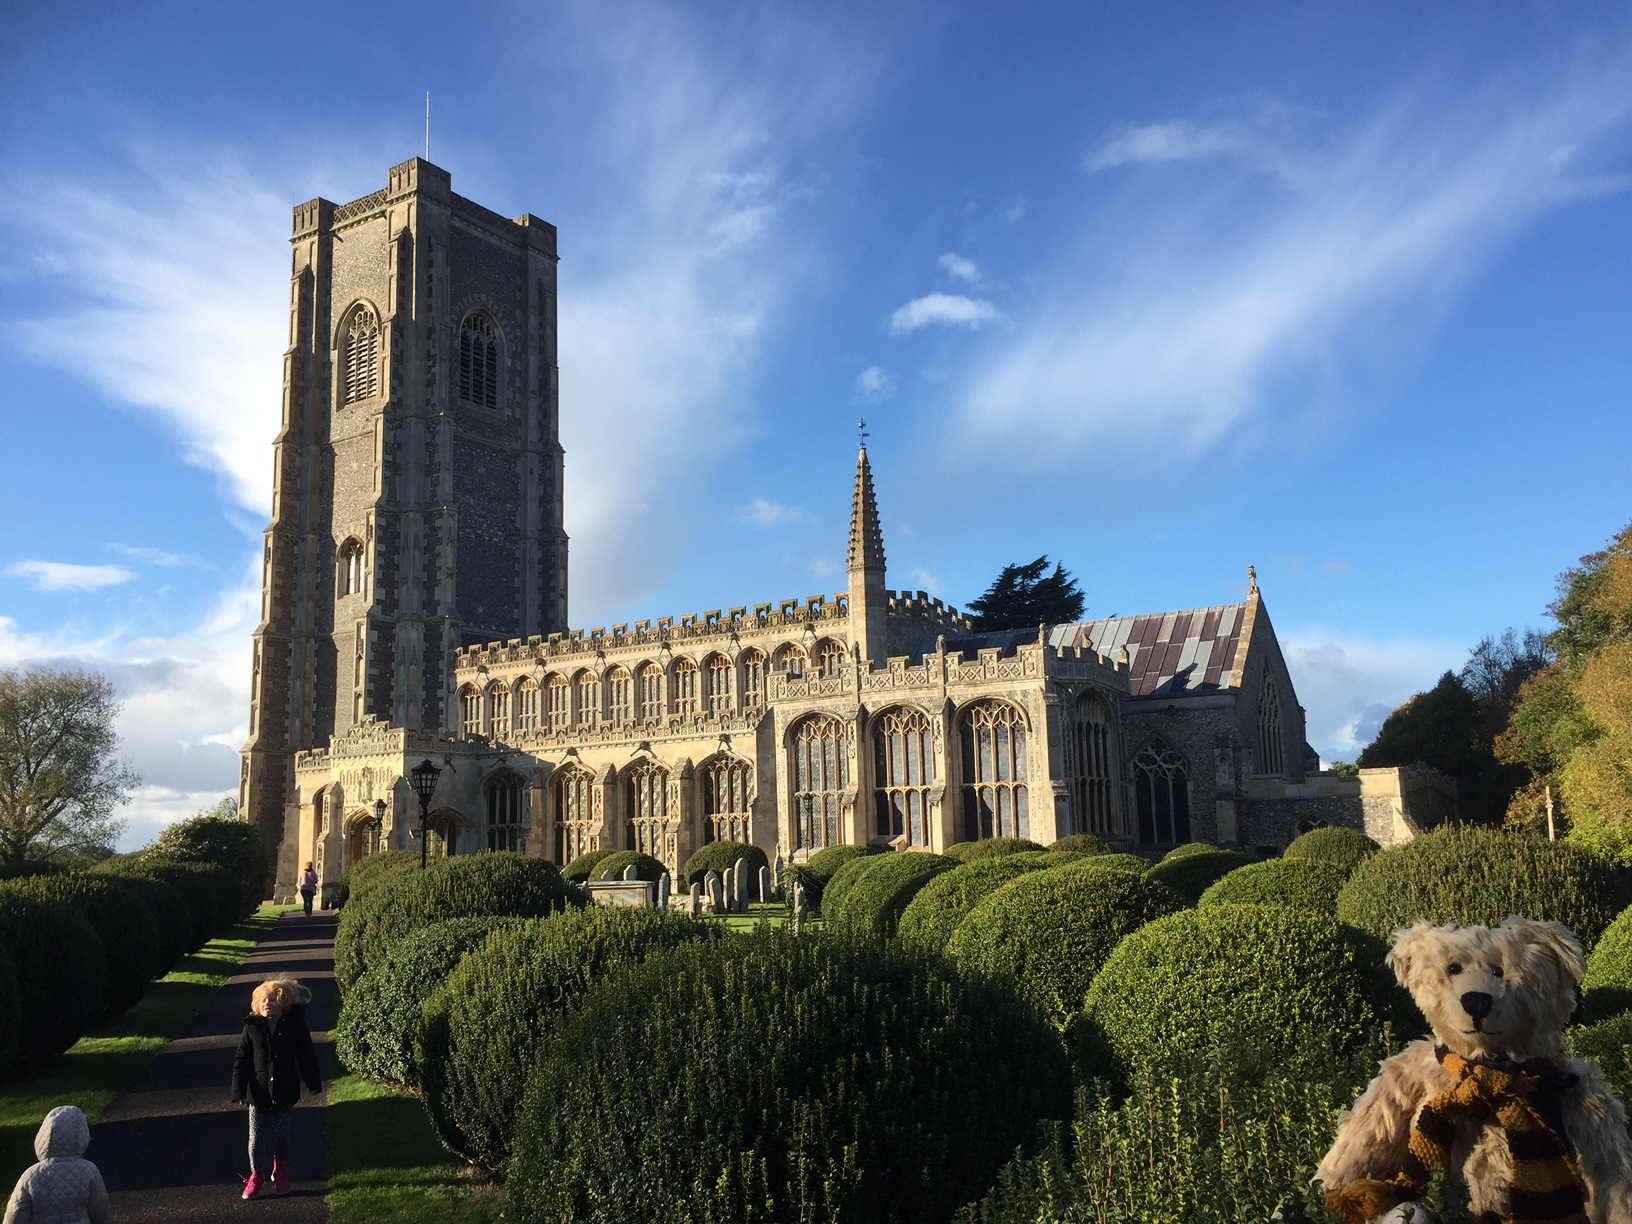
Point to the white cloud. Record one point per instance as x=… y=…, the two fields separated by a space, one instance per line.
x=1183 y=140
x=959 y=268
x=1348 y=685
x=874 y=385
x=949 y=308
x=61 y=576
x=762 y=513
x=155 y=556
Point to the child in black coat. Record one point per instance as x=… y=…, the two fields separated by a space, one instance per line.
x=275 y=1056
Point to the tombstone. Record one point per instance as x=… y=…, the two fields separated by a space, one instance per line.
x=716 y=892
x=776 y=874
x=631 y=872
x=764 y=883
x=663 y=891
x=798 y=907
x=697 y=898
x=739 y=869
x=729 y=886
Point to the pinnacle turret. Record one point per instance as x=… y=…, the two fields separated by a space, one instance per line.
x=866 y=536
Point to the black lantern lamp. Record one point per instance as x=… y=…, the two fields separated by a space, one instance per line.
x=424 y=776
x=379 y=825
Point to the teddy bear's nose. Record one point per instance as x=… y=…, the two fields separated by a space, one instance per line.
x=1477 y=1004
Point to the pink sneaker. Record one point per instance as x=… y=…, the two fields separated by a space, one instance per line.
x=280 y=1178
x=252 y=1185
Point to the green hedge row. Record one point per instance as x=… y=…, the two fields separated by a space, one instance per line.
x=61 y=971
x=722 y=856
x=126 y=926
x=1342 y=848
x=945 y=901
x=882 y=888
x=818 y=871
x=365 y=871
x=1191 y=870
x=990 y=847
x=615 y=864
x=580 y=868
x=1281 y=881
x=1086 y=843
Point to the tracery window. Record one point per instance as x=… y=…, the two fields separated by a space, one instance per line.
x=589 y=698
x=1161 y=792
x=753 y=679
x=505 y=799
x=498 y=704
x=470 y=711
x=619 y=698
x=651 y=691
x=727 y=787
x=829 y=659
x=559 y=694
x=646 y=799
x=1092 y=783
x=479 y=360
x=360 y=358
x=349 y=565
x=574 y=814
x=791 y=659
x=995 y=800
x=685 y=687
x=527 y=705
x=820 y=773
x=1271 y=738
x=903 y=770
x=719 y=683
x=442 y=834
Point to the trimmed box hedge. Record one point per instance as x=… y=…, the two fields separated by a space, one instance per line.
x=1306 y=882
x=363 y=872
x=615 y=864
x=580 y=868
x=235 y=845
x=843 y=880
x=990 y=847
x=11 y=1014
x=133 y=955
x=722 y=856
x=1606 y=990
x=213 y=895
x=945 y=901
x=170 y=910
x=61 y=971
x=883 y=890
x=1343 y=848
x=1192 y=873
x=1085 y=843
x=817 y=872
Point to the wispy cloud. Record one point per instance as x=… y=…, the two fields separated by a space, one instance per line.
x=874 y=386
x=1348 y=685
x=959 y=268
x=1186 y=140
x=950 y=309
x=763 y=513
x=155 y=556
x=61 y=576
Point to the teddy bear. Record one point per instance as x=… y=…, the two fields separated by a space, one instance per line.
x=1535 y=1135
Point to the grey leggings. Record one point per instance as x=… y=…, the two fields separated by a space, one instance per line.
x=269 y=1137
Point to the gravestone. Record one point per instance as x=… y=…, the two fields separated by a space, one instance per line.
x=716 y=892
x=765 y=884
x=631 y=872
x=729 y=884
x=663 y=891
x=798 y=907
x=697 y=898
x=739 y=871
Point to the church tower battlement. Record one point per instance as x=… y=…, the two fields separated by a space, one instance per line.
x=417 y=486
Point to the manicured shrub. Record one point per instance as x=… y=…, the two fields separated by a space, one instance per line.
x=122 y=921
x=879 y=894
x=1051 y=858
x=1052 y=930
x=1306 y=882
x=469 y=886
x=61 y=970
x=1191 y=874
x=1124 y=862
x=235 y=845
x=480 y=1036
x=1272 y=983
x=1189 y=848
x=944 y=901
x=855 y=1080
x=1086 y=843
x=380 y=1019
x=721 y=856
x=1609 y=1044
x=29 y=868
x=170 y=910
x=990 y=847
x=1345 y=848
x=814 y=874
x=615 y=864
x=844 y=879
x=1606 y=990
x=580 y=868
x=213 y=895
x=1474 y=876
x=370 y=868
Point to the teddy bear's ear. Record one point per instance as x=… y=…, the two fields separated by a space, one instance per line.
x=1409 y=943
x=1553 y=941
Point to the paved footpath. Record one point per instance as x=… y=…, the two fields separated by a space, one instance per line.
x=171 y=1148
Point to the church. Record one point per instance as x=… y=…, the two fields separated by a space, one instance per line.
x=414 y=607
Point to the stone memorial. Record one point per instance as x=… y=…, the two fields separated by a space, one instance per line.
x=716 y=892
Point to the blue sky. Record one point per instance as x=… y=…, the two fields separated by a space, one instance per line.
x=1338 y=290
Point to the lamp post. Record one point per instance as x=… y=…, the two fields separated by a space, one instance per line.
x=424 y=777
x=379 y=824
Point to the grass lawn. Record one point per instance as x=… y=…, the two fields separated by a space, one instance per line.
x=773 y=912
x=100 y=1064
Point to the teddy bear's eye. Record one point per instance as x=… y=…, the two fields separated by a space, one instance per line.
x=1496 y=971
x=1453 y=968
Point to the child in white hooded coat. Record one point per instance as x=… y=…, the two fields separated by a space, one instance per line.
x=64 y=1188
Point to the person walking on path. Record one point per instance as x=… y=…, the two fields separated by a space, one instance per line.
x=64 y=1188
x=275 y=1056
x=308 y=887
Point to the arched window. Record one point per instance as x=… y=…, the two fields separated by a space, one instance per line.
x=820 y=773
x=1161 y=792
x=504 y=803
x=1091 y=779
x=903 y=769
x=442 y=834
x=479 y=361
x=1271 y=737
x=685 y=687
x=619 y=698
x=349 y=564
x=362 y=836
x=829 y=659
x=753 y=679
x=589 y=698
x=646 y=805
x=360 y=357
x=719 y=684
x=470 y=711
x=559 y=694
x=651 y=691
x=995 y=801
x=791 y=659
x=498 y=705
x=527 y=705
x=574 y=814
x=727 y=787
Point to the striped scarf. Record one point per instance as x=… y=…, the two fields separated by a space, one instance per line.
x=1524 y=1098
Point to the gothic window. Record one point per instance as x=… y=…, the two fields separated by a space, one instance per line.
x=479 y=361
x=349 y=563
x=791 y=659
x=829 y=659
x=619 y=699
x=685 y=687
x=558 y=694
x=589 y=698
x=504 y=804
x=646 y=802
x=719 y=684
x=1271 y=738
x=903 y=769
x=651 y=691
x=360 y=356
x=498 y=705
x=362 y=837
x=574 y=814
x=753 y=679
x=442 y=834
x=820 y=773
x=1161 y=792
x=470 y=711
x=995 y=802
x=527 y=705
x=1091 y=780
x=727 y=785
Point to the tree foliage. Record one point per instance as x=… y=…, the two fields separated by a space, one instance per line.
x=59 y=781
x=1025 y=596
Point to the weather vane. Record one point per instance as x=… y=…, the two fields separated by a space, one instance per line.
x=861 y=428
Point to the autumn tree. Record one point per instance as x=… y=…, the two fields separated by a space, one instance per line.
x=1025 y=596
x=59 y=779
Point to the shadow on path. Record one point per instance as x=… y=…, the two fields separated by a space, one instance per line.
x=171 y=1148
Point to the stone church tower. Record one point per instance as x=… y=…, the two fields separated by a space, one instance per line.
x=416 y=501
